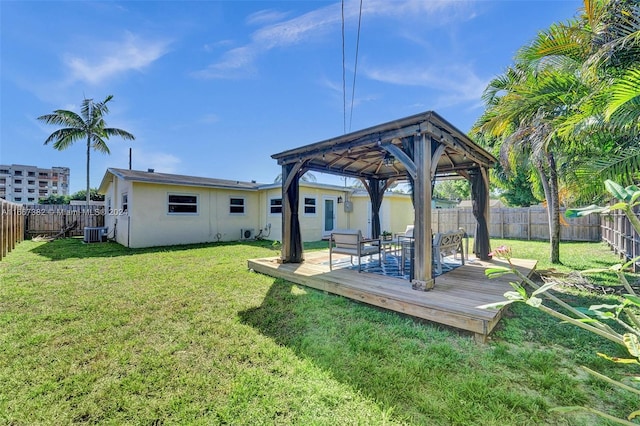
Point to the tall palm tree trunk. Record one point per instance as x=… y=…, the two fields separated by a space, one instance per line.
x=554 y=223
x=550 y=187
x=88 y=157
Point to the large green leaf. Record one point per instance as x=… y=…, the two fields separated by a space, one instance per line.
x=632 y=299
x=496 y=272
x=496 y=305
x=632 y=343
x=618 y=360
x=584 y=211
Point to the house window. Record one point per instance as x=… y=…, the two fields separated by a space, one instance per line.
x=31 y=199
x=31 y=182
x=125 y=202
x=309 y=205
x=236 y=206
x=17 y=199
x=108 y=205
x=17 y=190
x=18 y=173
x=31 y=174
x=4 y=171
x=179 y=203
x=18 y=181
x=275 y=206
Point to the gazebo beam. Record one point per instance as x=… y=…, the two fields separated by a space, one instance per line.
x=423 y=279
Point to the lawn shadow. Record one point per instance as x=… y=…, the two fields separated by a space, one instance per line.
x=373 y=350
x=75 y=248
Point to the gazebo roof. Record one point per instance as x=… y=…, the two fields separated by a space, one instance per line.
x=372 y=152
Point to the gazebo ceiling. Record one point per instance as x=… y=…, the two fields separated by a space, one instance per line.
x=377 y=152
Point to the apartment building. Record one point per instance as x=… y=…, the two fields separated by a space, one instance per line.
x=27 y=184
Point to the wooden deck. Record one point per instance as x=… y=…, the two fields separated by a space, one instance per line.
x=453 y=302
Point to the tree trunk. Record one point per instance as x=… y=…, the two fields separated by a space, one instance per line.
x=552 y=201
x=554 y=223
x=88 y=195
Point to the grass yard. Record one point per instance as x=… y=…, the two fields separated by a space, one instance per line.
x=186 y=335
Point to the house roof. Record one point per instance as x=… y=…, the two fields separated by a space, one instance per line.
x=171 y=179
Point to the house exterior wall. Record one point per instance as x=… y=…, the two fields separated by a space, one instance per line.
x=396 y=212
x=151 y=224
x=117 y=220
x=311 y=223
x=401 y=212
x=146 y=220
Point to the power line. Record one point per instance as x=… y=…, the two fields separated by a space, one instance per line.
x=355 y=68
x=344 y=80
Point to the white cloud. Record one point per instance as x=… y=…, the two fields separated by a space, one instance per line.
x=266 y=16
x=238 y=62
x=458 y=83
x=161 y=162
x=210 y=118
x=130 y=53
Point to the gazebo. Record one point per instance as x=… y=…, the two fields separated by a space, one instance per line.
x=417 y=149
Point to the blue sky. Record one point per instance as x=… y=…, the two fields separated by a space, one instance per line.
x=213 y=88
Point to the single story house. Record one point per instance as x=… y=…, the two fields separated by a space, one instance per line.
x=147 y=208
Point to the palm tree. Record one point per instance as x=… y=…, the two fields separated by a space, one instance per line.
x=525 y=107
x=573 y=94
x=89 y=125
x=307 y=177
x=603 y=47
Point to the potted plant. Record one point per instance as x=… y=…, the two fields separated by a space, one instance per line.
x=386 y=236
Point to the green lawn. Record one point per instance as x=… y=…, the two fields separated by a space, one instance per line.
x=187 y=335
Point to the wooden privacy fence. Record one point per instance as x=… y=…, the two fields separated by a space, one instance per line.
x=11 y=226
x=524 y=223
x=61 y=219
x=621 y=236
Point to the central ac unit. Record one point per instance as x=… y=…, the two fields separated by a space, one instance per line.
x=247 y=234
x=95 y=234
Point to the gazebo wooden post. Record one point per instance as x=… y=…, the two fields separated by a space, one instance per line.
x=291 y=236
x=423 y=279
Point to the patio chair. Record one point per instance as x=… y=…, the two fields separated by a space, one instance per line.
x=353 y=243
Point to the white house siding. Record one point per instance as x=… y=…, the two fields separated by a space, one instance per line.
x=152 y=224
x=311 y=225
x=396 y=212
x=147 y=221
x=116 y=219
x=401 y=212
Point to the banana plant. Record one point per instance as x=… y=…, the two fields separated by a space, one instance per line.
x=623 y=313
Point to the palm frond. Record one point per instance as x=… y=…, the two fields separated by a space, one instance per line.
x=561 y=43
x=622 y=167
x=624 y=90
x=62 y=117
x=63 y=138
x=110 y=131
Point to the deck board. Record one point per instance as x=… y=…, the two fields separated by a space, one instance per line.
x=453 y=301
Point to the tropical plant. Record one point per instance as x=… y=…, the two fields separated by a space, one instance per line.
x=570 y=105
x=82 y=195
x=594 y=319
x=89 y=125
x=54 y=199
x=307 y=177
